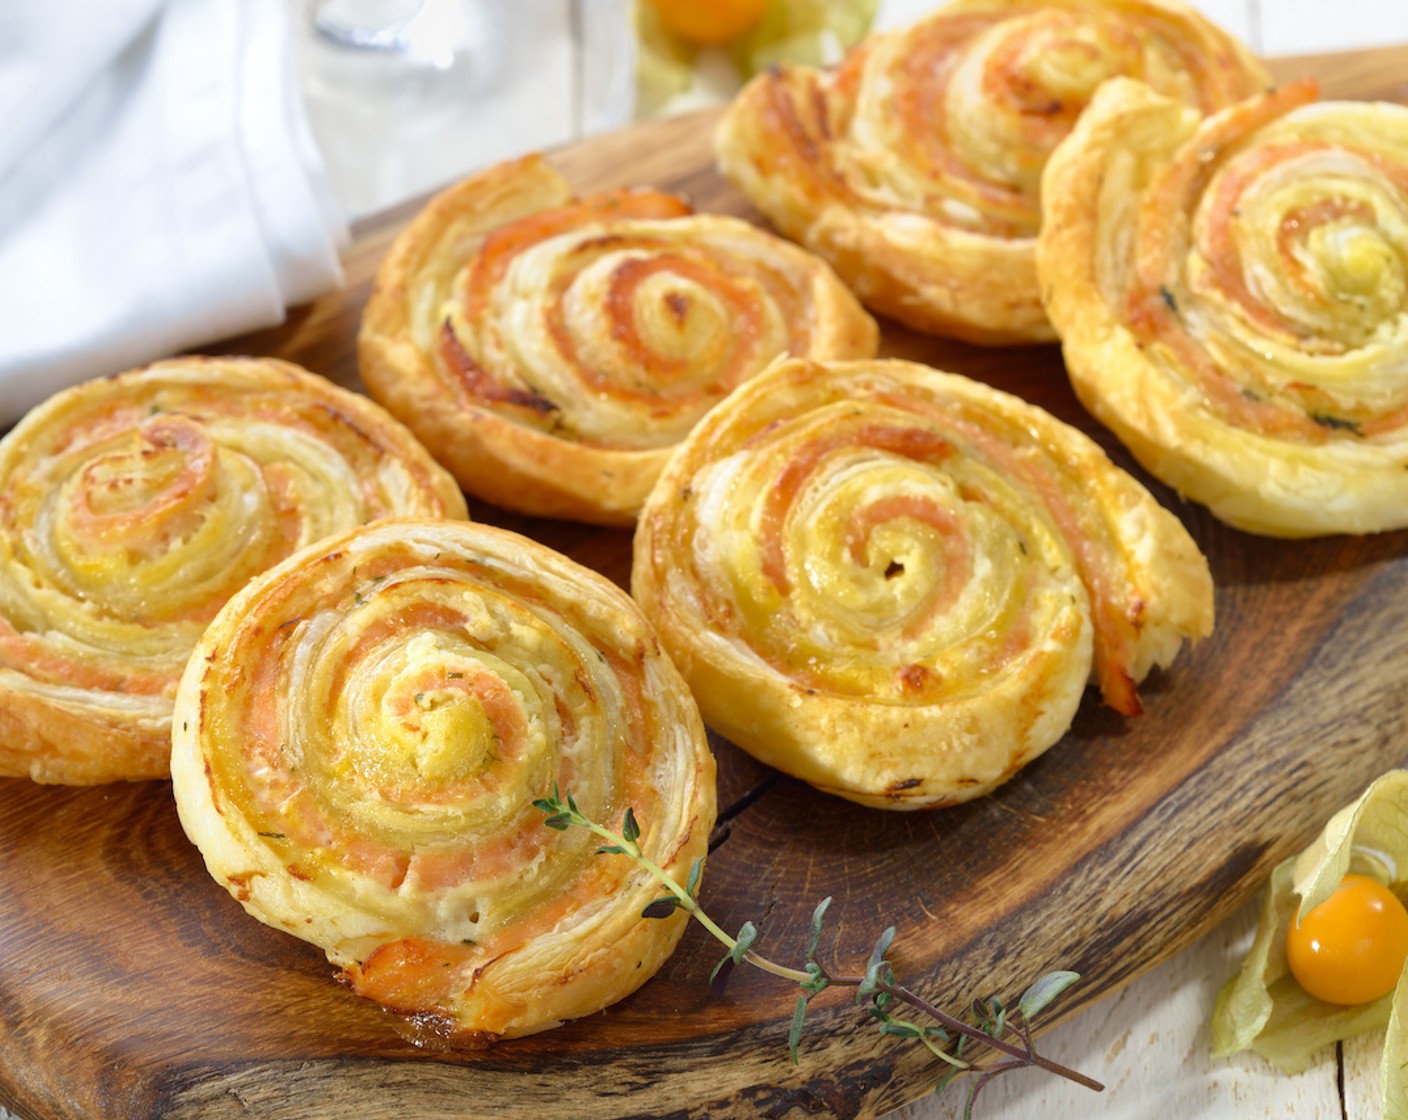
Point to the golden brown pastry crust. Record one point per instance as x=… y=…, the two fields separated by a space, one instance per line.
x=359 y=740
x=550 y=351
x=914 y=166
x=132 y=507
x=1231 y=299
x=894 y=583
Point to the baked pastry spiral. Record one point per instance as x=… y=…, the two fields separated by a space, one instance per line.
x=894 y=583
x=359 y=739
x=1232 y=296
x=132 y=507
x=914 y=166
x=551 y=351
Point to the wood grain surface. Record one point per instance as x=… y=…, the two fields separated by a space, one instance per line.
x=132 y=986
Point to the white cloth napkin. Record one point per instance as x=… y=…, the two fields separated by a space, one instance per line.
x=159 y=186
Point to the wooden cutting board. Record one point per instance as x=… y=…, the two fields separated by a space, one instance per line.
x=132 y=986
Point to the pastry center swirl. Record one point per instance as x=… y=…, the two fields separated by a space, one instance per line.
x=136 y=507
x=158 y=476
x=624 y=333
x=431 y=720
x=1296 y=279
x=161 y=499
x=1323 y=250
x=426 y=704
x=420 y=716
x=1021 y=83
x=956 y=117
x=1066 y=63
x=672 y=324
x=890 y=560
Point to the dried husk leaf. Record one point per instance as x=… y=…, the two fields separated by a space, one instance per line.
x=802 y=32
x=1393 y=1067
x=664 y=64
x=1263 y=1008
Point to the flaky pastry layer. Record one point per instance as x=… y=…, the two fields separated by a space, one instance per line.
x=895 y=583
x=1232 y=297
x=914 y=166
x=359 y=739
x=133 y=507
x=552 y=350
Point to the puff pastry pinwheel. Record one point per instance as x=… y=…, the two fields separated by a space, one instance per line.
x=914 y=166
x=552 y=350
x=359 y=740
x=1232 y=296
x=895 y=583
x=133 y=507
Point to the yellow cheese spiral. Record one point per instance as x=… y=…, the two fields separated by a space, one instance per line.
x=914 y=167
x=133 y=507
x=894 y=582
x=359 y=740
x=1232 y=296
x=551 y=351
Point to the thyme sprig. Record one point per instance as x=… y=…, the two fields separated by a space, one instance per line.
x=987 y=1024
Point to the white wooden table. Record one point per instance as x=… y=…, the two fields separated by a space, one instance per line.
x=1149 y=1043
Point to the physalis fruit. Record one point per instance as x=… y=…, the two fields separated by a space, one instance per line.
x=1350 y=949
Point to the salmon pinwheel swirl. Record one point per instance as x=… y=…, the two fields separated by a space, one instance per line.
x=552 y=350
x=133 y=507
x=914 y=166
x=1232 y=296
x=359 y=740
x=895 y=583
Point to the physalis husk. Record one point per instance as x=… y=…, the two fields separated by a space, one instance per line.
x=803 y=32
x=1263 y=1008
x=664 y=64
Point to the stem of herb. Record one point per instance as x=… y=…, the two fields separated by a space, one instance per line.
x=1024 y=1054
x=563 y=813
x=687 y=901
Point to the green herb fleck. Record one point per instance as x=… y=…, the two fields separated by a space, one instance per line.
x=1336 y=423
